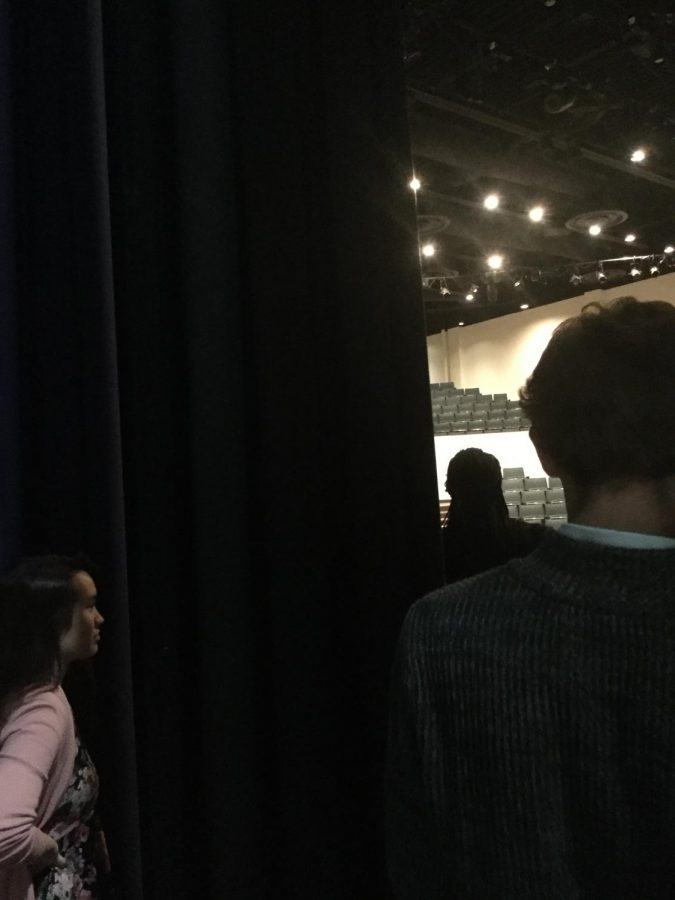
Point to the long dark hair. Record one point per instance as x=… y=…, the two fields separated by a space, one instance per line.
x=476 y=528
x=36 y=606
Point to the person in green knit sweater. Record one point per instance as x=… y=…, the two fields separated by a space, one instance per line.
x=532 y=722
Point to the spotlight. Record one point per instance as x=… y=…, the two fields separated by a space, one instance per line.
x=524 y=305
x=536 y=214
x=469 y=296
x=629 y=238
x=669 y=249
x=415 y=184
x=491 y=201
x=638 y=155
x=635 y=272
x=595 y=230
x=428 y=250
x=495 y=261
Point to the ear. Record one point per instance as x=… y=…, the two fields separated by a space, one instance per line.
x=548 y=464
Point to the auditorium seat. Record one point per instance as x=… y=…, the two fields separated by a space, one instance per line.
x=556 y=511
x=512 y=484
x=532 y=512
x=530 y=484
x=533 y=495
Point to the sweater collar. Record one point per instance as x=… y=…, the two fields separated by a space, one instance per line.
x=612 y=538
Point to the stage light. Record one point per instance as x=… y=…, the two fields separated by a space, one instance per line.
x=428 y=250
x=629 y=238
x=495 y=261
x=635 y=272
x=469 y=296
x=595 y=230
x=669 y=249
x=524 y=305
x=460 y=323
x=601 y=274
x=638 y=155
x=517 y=283
x=654 y=270
x=536 y=214
x=491 y=201
x=415 y=184
x=575 y=278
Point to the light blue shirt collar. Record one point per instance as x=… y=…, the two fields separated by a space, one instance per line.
x=630 y=540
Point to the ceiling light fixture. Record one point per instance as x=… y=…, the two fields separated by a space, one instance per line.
x=428 y=250
x=594 y=230
x=491 y=201
x=495 y=261
x=536 y=214
x=415 y=184
x=638 y=155
x=629 y=238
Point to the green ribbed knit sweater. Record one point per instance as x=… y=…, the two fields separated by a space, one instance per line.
x=532 y=732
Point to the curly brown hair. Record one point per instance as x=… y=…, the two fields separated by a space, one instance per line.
x=602 y=397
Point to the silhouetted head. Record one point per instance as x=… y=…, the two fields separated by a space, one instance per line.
x=48 y=619
x=474 y=475
x=602 y=397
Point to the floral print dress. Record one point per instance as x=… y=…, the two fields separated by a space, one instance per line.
x=80 y=845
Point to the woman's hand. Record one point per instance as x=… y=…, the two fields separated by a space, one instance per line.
x=48 y=858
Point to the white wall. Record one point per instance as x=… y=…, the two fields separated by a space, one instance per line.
x=497 y=356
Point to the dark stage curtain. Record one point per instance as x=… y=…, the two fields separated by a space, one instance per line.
x=62 y=451
x=222 y=393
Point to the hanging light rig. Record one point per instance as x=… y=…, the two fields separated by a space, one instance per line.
x=620 y=269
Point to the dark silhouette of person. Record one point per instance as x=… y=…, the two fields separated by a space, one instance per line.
x=478 y=533
x=532 y=728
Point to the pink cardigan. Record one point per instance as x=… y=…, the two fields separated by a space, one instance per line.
x=37 y=754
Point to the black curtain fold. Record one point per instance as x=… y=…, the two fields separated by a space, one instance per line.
x=67 y=436
x=10 y=540
x=224 y=397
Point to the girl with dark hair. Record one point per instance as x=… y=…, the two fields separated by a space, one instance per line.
x=50 y=847
x=477 y=532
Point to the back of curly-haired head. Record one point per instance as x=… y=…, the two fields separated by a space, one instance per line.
x=602 y=397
